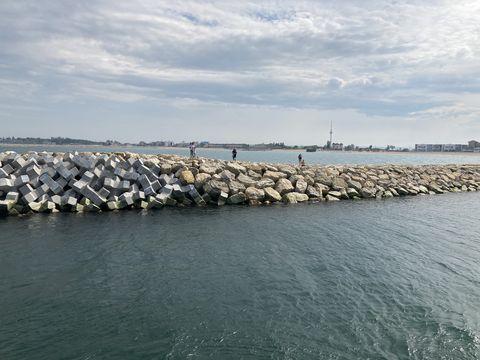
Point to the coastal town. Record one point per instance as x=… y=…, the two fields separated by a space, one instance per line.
x=471 y=146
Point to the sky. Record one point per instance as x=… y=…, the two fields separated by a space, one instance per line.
x=384 y=72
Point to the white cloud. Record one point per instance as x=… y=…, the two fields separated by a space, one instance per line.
x=410 y=59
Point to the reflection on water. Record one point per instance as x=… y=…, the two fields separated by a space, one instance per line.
x=394 y=279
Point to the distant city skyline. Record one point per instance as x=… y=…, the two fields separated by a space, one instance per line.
x=385 y=72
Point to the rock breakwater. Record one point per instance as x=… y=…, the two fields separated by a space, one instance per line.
x=77 y=182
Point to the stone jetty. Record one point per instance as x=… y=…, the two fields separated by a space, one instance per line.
x=92 y=182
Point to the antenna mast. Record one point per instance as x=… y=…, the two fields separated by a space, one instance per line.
x=331 y=131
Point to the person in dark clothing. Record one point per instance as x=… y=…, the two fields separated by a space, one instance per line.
x=300 y=158
x=234 y=154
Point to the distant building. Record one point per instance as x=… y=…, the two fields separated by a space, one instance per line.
x=337 y=146
x=471 y=146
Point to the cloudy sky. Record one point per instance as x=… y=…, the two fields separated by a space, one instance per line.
x=386 y=72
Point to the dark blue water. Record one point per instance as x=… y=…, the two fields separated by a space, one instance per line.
x=282 y=156
x=393 y=279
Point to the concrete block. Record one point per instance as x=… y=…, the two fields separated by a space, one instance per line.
x=124 y=185
x=88 y=176
x=131 y=175
x=33 y=171
x=143 y=170
x=110 y=183
x=52 y=184
x=164 y=179
x=57 y=200
x=222 y=199
x=137 y=163
x=18 y=163
x=127 y=198
x=68 y=200
x=138 y=195
x=62 y=182
x=64 y=172
x=149 y=191
x=156 y=185
x=94 y=196
x=21 y=180
x=113 y=205
x=43 y=189
x=74 y=171
x=194 y=194
x=79 y=185
x=103 y=192
x=12 y=196
x=166 y=190
x=144 y=181
x=6 y=184
x=7 y=169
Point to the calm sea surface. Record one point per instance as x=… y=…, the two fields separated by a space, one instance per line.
x=393 y=279
x=282 y=156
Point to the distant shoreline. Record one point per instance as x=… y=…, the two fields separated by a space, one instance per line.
x=249 y=150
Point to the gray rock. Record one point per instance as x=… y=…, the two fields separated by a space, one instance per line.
x=284 y=186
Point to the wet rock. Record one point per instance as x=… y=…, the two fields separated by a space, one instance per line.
x=253 y=193
x=272 y=195
x=284 y=186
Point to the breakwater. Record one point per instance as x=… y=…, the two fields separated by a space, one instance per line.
x=77 y=182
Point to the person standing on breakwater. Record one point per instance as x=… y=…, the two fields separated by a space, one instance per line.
x=193 y=150
x=234 y=154
x=300 y=158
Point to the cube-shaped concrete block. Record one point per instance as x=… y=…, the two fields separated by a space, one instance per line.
x=93 y=196
x=8 y=169
x=144 y=181
x=18 y=163
x=164 y=179
x=156 y=185
x=104 y=192
x=6 y=184
x=33 y=171
x=131 y=175
x=52 y=184
x=127 y=198
x=124 y=185
x=79 y=185
x=149 y=191
x=64 y=172
x=21 y=180
x=166 y=190
x=12 y=196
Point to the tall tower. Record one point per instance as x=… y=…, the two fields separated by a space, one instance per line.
x=331 y=131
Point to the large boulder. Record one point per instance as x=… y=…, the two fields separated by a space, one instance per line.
x=272 y=195
x=313 y=192
x=209 y=169
x=186 y=177
x=235 y=168
x=215 y=187
x=339 y=184
x=301 y=186
x=274 y=175
x=236 y=187
x=287 y=169
x=255 y=194
x=284 y=186
x=238 y=198
x=246 y=180
x=300 y=197
x=368 y=192
x=201 y=179
x=289 y=198
x=265 y=182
